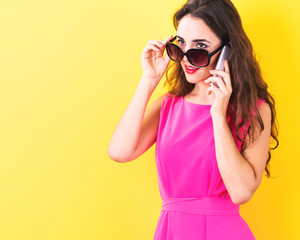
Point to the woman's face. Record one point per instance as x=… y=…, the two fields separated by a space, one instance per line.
x=189 y=30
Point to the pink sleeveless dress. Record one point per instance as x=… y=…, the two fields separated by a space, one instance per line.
x=195 y=201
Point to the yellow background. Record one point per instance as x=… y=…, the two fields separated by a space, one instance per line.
x=68 y=70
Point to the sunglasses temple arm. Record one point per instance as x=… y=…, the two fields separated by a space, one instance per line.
x=217 y=50
x=173 y=39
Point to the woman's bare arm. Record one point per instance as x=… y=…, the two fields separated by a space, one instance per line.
x=137 y=129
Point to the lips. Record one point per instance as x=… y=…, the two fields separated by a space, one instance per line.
x=190 y=70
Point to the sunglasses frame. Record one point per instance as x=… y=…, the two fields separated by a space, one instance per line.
x=209 y=54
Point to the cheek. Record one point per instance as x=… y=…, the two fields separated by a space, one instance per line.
x=204 y=73
x=213 y=62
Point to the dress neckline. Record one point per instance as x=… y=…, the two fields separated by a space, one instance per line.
x=194 y=104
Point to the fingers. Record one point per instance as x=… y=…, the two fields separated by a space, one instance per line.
x=154 y=45
x=157 y=45
x=168 y=38
x=224 y=74
x=160 y=43
x=219 y=72
x=156 y=48
x=220 y=83
x=213 y=89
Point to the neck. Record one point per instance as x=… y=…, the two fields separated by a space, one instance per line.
x=200 y=92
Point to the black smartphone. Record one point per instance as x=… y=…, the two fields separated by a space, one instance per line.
x=224 y=55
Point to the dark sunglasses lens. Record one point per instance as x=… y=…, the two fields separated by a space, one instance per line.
x=174 y=52
x=198 y=57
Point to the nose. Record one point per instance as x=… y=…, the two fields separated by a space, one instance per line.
x=184 y=59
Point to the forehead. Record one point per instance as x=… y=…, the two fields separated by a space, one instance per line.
x=195 y=28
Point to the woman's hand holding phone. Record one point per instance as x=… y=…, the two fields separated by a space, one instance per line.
x=222 y=93
x=224 y=55
x=154 y=64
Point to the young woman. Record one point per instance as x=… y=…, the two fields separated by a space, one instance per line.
x=212 y=141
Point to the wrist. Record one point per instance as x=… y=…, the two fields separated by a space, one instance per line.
x=218 y=118
x=149 y=83
x=146 y=87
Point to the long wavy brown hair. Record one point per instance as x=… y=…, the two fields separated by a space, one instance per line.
x=247 y=82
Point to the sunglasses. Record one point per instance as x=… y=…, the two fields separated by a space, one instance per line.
x=196 y=57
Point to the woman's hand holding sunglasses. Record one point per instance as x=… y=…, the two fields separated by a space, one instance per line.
x=153 y=63
x=222 y=94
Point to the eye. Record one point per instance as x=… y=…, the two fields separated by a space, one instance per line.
x=180 y=41
x=202 y=45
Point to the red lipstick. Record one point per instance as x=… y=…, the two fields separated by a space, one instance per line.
x=190 y=70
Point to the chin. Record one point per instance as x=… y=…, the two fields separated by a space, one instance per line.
x=194 y=78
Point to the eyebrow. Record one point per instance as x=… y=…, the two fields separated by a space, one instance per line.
x=195 y=40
